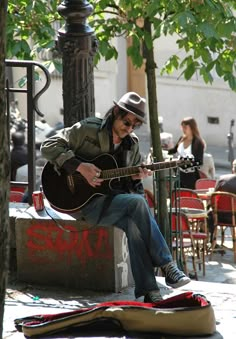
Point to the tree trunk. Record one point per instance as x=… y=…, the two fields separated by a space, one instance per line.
x=161 y=194
x=4 y=168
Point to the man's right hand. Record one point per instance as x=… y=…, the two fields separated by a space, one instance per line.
x=91 y=173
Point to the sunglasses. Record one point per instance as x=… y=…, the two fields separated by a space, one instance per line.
x=127 y=123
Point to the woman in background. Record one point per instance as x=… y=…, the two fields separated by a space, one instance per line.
x=190 y=144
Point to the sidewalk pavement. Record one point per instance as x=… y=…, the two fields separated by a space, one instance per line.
x=218 y=286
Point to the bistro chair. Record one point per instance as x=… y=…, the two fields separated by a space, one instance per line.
x=191 y=202
x=204 y=183
x=223 y=206
x=182 y=192
x=18 y=186
x=197 y=215
x=183 y=242
x=16 y=196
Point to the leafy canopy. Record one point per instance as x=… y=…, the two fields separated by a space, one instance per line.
x=204 y=29
x=30 y=29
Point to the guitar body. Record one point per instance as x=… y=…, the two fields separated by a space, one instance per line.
x=68 y=193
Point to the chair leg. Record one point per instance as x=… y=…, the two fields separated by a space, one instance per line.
x=223 y=229
x=204 y=248
x=214 y=241
x=233 y=232
x=194 y=263
x=194 y=267
x=198 y=250
x=192 y=254
x=201 y=255
x=184 y=262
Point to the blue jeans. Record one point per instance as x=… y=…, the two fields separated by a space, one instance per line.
x=147 y=247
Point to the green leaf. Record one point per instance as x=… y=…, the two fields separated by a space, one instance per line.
x=148 y=40
x=205 y=55
x=16 y=48
x=22 y=82
x=96 y=58
x=210 y=66
x=185 y=18
x=208 y=30
x=135 y=55
x=109 y=54
x=156 y=28
x=232 y=82
x=103 y=46
x=218 y=68
x=207 y=77
x=171 y=65
x=152 y=9
x=135 y=41
x=190 y=70
x=227 y=29
x=58 y=66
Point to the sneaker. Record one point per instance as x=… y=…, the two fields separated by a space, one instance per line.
x=173 y=276
x=153 y=297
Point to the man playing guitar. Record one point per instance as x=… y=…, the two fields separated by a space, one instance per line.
x=79 y=155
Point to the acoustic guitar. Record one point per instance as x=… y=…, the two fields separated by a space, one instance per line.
x=68 y=193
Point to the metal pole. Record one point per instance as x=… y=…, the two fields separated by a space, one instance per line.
x=230 y=137
x=78 y=45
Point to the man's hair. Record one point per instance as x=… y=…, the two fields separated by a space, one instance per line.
x=120 y=113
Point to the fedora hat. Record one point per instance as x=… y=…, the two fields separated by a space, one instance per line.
x=131 y=102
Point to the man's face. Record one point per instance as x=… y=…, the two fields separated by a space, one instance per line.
x=123 y=126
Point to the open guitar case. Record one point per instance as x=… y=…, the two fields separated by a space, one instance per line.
x=186 y=314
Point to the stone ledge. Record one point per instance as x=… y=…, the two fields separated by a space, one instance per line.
x=69 y=252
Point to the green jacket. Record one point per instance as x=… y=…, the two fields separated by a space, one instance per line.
x=87 y=139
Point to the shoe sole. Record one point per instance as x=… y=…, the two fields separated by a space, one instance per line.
x=179 y=283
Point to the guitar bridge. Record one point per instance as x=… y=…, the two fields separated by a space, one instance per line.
x=70 y=183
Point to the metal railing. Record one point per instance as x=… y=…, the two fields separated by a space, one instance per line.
x=32 y=108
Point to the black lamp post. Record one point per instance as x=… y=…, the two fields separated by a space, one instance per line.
x=77 y=44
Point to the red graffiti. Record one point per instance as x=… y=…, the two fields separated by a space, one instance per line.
x=49 y=243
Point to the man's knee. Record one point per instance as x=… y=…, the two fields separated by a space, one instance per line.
x=137 y=200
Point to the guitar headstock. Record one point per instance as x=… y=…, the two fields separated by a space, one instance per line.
x=188 y=163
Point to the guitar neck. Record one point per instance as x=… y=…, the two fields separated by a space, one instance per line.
x=129 y=171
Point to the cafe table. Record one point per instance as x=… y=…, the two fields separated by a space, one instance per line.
x=205 y=194
x=194 y=213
